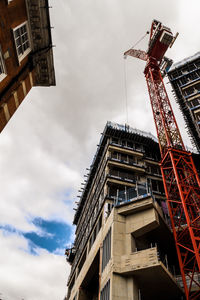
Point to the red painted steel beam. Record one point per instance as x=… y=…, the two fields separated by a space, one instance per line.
x=180 y=178
x=181 y=182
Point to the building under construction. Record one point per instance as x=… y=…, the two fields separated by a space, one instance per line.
x=124 y=247
x=184 y=77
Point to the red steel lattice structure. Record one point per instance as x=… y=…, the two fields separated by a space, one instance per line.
x=181 y=181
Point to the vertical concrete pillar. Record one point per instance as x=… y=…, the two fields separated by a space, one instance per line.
x=129 y=243
x=132 y=289
x=119 y=288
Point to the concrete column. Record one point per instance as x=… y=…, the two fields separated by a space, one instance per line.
x=119 y=288
x=132 y=289
x=128 y=243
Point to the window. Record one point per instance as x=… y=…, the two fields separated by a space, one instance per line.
x=197 y=63
x=188 y=91
x=157 y=186
x=197 y=87
x=22 y=40
x=105 y=292
x=124 y=143
x=124 y=157
x=82 y=261
x=161 y=187
x=155 y=170
x=2 y=67
x=154 y=184
x=130 y=144
x=95 y=232
x=115 y=141
x=138 y=147
x=114 y=155
x=197 y=115
x=184 y=71
x=193 y=76
x=194 y=102
x=183 y=80
x=106 y=250
x=191 y=67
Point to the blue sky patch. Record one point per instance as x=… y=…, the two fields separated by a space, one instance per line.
x=51 y=235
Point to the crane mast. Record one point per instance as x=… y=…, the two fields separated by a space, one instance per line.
x=180 y=178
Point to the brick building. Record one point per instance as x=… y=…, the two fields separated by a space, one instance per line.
x=26 y=57
x=124 y=247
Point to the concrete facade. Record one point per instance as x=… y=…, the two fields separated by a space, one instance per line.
x=26 y=57
x=184 y=77
x=124 y=246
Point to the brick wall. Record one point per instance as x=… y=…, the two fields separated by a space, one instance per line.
x=14 y=97
x=20 y=76
x=11 y=15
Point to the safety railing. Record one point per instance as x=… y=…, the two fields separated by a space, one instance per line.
x=131 y=194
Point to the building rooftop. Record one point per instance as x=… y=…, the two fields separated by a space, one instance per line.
x=184 y=61
x=131 y=130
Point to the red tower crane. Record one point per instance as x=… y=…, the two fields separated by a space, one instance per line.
x=181 y=181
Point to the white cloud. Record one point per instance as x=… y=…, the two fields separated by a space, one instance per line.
x=24 y=276
x=49 y=142
x=33 y=184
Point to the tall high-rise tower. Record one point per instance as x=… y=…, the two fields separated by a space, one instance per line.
x=124 y=247
x=184 y=77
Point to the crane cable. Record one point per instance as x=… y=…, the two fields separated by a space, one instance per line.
x=125 y=75
x=140 y=40
x=125 y=90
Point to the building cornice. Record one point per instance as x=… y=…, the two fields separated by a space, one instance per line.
x=41 y=42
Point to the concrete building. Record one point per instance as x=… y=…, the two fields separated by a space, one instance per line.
x=184 y=77
x=26 y=57
x=124 y=247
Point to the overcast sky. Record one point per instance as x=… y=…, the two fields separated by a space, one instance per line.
x=51 y=140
